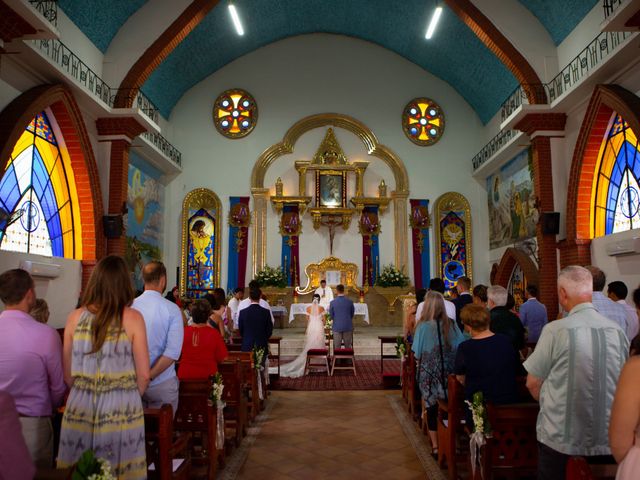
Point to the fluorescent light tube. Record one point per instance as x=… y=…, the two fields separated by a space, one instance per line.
x=236 y=19
x=433 y=23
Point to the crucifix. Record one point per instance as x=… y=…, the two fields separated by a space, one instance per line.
x=331 y=222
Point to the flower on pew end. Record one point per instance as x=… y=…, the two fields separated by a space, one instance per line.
x=401 y=347
x=89 y=467
x=217 y=387
x=479 y=414
x=257 y=353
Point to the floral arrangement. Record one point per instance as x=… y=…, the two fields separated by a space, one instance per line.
x=257 y=354
x=217 y=387
x=328 y=321
x=401 y=347
x=481 y=427
x=390 y=276
x=89 y=467
x=271 y=277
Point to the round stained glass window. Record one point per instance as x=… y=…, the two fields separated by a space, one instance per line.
x=423 y=121
x=235 y=113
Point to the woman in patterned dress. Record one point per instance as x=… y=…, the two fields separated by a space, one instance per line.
x=106 y=365
x=435 y=342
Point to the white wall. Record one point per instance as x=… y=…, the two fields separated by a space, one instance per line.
x=314 y=74
x=61 y=293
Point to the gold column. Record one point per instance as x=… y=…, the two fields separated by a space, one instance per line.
x=259 y=252
x=400 y=219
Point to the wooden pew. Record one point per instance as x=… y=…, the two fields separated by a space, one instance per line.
x=405 y=373
x=579 y=469
x=414 y=402
x=512 y=450
x=235 y=412
x=249 y=378
x=163 y=447
x=197 y=416
x=453 y=412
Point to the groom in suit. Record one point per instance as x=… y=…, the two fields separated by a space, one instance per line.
x=341 y=310
x=254 y=323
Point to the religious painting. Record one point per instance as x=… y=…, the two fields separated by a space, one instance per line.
x=144 y=219
x=453 y=235
x=330 y=189
x=200 y=266
x=512 y=210
x=517 y=285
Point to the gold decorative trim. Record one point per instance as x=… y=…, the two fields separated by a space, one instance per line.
x=453 y=201
x=316 y=272
x=200 y=198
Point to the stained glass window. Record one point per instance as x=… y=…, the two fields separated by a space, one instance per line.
x=423 y=121
x=235 y=113
x=38 y=200
x=616 y=187
x=517 y=285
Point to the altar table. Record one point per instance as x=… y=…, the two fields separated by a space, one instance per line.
x=301 y=309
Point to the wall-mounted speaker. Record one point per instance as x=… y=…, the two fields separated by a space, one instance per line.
x=551 y=223
x=112 y=226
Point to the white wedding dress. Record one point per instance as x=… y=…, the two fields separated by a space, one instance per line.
x=314 y=339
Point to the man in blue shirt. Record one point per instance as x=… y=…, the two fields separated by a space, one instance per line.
x=533 y=314
x=165 y=331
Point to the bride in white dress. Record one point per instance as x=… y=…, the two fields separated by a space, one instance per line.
x=314 y=339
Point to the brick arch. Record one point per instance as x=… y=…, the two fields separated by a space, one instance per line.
x=501 y=47
x=605 y=100
x=510 y=258
x=15 y=118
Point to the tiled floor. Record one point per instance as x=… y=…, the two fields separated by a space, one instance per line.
x=337 y=435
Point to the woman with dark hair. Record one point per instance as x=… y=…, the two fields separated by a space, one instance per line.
x=480 y=296
x=434 y=344
x=215 y=320
x=223 y=311
x=202 y=347
x=106 y=364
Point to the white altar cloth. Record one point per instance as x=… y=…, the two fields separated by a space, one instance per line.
x=301 y=309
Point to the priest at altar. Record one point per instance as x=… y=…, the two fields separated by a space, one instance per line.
x=326 y=294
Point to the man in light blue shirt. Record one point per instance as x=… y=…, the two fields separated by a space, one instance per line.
x=573 y=372
x=533 y=314
x=165 y=331
x=606 y=306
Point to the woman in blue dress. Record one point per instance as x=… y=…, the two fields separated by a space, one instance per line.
x=435 y=343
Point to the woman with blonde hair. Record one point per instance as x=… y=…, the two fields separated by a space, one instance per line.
x=40 y=310
x=435 y=343
x=106 y=365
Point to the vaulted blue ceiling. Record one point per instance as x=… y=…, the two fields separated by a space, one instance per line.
x=100 y=20
x=559 y=17
x=454 y=54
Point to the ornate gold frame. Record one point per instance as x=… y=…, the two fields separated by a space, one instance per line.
x=200 y=198
x=315 y=271
x=261 y=194
x=453 y=201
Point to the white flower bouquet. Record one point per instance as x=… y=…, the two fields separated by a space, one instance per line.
x=271 y=277
x=390 y=276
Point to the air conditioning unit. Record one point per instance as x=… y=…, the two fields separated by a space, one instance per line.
x=629 y=246
x=39 y=269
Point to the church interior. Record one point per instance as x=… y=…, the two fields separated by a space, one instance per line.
x=372 y=145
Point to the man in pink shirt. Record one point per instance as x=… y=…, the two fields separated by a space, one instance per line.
x=30 y=365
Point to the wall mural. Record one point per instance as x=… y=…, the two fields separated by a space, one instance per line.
x=144 y=222
x=200 y=266
x=512 y=212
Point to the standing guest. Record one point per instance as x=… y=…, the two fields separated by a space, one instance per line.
x=480 y=295
x=326 y=294
x=15 y=459
x=533 y=314
x=215 y=319
x=203 y=347
x=30 y=365
x=234 y=303
x=453 y=294
x=617 y=291
x=173 y=295
x=503 y=320
x=604 y=305
x=487 y=362
x=106 y=364
x=245 y=303
x=342 y=310
x=437 y=285
x=435 y=343
x=223 y=311
x=573 y=372
x=464 y=298
x=255 y=325
x=165 y=331
x=40 y=311
x=624 y=428
x=409 y=327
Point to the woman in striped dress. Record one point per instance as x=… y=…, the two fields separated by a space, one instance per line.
x=106 y=365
